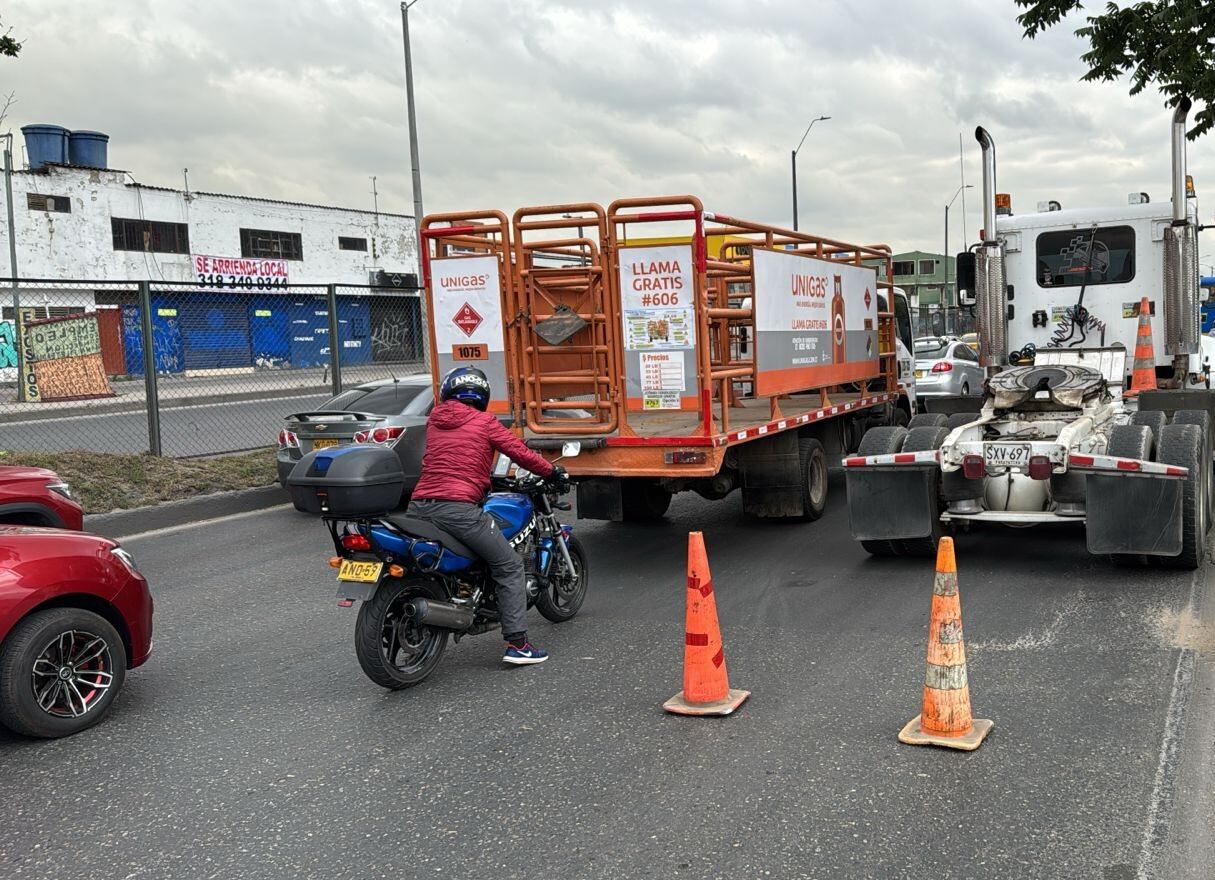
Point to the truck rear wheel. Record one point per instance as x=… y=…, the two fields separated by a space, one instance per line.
x=643 y=499
x=1184 y=446
x=812 y=459
x=1202 y=419
x=884 y=440
x=1132 y=441
x=927 y=420
x=925 y=439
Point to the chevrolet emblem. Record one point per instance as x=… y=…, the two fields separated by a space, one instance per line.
x=320 y=427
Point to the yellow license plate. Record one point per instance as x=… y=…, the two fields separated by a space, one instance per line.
x=324 y=443
x=919 y=374
x=360 y=572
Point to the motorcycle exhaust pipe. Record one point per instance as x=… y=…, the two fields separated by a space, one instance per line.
x=444 y=615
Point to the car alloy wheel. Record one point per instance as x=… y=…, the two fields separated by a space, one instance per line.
x=72 y=673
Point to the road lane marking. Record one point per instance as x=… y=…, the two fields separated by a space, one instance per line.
x=203 y=522
x=1161 y=803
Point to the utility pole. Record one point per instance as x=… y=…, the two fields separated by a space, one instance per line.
x=19 y=343
x=414 y=158
x=793 y=157
x=945 y=287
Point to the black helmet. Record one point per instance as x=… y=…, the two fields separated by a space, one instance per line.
x=467 y=385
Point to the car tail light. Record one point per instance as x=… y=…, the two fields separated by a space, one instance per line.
x=386 y=436
x=942 y=367
x=288 y=440
x=380 y=436
x=355 y=542
x=973 y=467
x=1039 y=467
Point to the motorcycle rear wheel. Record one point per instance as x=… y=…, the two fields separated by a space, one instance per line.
x=561 y=598
x=393 y=652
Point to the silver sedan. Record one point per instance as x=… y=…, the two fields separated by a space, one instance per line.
x=944 y=365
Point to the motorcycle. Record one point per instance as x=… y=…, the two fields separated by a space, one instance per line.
x=420 y=585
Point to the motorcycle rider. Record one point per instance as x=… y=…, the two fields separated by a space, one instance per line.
x=461 y=442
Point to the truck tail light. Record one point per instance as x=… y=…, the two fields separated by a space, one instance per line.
x=1039 y=467
x=685 y=456
x=942 y=367
x=288 y=440
x=973 y=467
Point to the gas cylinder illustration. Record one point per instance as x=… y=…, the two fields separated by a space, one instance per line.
x=838 y=349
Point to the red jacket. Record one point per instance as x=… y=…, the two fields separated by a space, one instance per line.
x=461 y=443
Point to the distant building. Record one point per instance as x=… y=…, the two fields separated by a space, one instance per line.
x=230 y=256
x=922 y=276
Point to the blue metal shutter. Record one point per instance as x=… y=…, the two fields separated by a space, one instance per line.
x=215 y=331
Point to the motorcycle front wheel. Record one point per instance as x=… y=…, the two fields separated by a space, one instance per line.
x=394 y=651
x=562 y=596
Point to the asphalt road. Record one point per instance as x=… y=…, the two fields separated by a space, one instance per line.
x=252 y=746
x=202 y=429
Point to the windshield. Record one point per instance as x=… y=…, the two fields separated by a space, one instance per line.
x=930 y=348
x=396 y=399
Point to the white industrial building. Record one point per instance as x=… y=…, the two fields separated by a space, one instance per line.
x=235 y=279
x=99 y=224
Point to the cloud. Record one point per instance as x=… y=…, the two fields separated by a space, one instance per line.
x=526 y=102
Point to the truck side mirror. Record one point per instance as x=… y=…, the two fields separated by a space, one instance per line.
x=966 y=278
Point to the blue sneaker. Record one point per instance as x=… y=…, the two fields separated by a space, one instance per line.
x=524 y=656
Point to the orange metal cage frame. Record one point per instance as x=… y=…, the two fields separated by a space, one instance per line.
x=564 y=260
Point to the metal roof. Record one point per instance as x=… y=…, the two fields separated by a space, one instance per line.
x=212 y=195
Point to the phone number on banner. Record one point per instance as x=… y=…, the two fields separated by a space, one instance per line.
x=241 y=282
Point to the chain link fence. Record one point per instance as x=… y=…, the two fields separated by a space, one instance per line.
x=936 y=320
x=178 y=370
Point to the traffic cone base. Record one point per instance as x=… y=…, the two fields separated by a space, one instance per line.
x=915 y=735
x=680 y=706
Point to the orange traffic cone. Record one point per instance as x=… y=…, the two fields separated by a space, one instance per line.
x=1143 y=375
x=946 y=719
x=706 y=690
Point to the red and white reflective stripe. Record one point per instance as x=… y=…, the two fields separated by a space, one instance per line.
x=1125 y=465
x=816 y=415
x=930 y=456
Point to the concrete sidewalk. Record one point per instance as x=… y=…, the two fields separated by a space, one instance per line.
x=215 y=387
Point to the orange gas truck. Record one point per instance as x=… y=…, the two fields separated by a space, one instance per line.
x=723 y=355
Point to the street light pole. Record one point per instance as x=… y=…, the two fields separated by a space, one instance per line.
x=945 y=287
x=18 y=342
x=414 y=159
x=793 y=158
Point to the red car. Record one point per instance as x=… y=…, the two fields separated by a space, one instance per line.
x=75 y=615
x=37 y=497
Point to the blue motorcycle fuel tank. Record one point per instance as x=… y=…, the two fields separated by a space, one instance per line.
x=512 y=510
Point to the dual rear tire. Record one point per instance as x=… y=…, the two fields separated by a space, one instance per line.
x=888 y=441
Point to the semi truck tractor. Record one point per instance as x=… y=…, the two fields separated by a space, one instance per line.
x=1059 y=435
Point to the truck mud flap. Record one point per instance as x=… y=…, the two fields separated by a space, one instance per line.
x=1135 y=515
x=898 y=502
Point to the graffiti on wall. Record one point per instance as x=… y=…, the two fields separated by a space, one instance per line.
x=393 y=338
x=8 y=352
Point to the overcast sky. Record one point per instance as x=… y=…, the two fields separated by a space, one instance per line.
x=528 y=102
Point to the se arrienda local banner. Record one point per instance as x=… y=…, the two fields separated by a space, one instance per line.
x=239 y=273
x=815 y=322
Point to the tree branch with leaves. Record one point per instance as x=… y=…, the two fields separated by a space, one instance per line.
x=1166 y=43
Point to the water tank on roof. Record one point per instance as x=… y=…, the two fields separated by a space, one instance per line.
x=88 y=148
x=45 y=144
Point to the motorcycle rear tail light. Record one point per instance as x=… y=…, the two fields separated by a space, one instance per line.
x=288 y=440
x=973 y=467
x=355 y=542
x=1039 y=467
x=942 y=367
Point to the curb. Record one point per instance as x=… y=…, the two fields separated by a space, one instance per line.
x=124 y=523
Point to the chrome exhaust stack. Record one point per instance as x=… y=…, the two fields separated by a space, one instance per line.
x=1182 y=327
x=991 y=288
